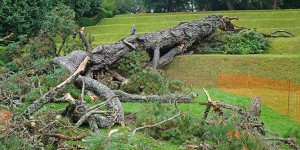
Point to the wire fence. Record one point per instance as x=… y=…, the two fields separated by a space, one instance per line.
x=279 y=95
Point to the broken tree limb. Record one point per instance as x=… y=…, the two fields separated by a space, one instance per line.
x=251 y=120
x=126 y=97
x=254 y=108
x=290 y=141
x=159 y=123
x=114 y=107
x=282 y=31
x=7 y=37
x=36 y=105
x=64 y=137
x=84 y=40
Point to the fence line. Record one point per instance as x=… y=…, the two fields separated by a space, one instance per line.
x=280 y=95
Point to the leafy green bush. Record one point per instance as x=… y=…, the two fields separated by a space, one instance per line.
x=183 y=129
x=132 y=62
x=243 y=42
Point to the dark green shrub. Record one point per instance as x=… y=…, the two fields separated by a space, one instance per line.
x=243 y=42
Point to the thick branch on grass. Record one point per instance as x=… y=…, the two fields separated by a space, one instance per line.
x=7 y=37
x=290 y=141
x=126 y=97
x=84 y=40
x=251 y=121
x=36 y=105
x=64 y=137
x=159 y=123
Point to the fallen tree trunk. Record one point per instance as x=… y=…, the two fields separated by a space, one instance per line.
x=162 y=45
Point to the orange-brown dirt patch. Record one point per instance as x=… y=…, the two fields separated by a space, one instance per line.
x=5 y=116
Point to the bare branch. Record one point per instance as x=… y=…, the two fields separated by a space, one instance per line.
x=290 y=141
x=7 y=37
x=82 y=92
x=64 y=137
x=159 y=123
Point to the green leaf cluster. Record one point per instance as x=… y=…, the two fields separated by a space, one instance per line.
x=243 y=42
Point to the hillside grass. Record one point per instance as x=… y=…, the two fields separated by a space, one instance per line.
x=203 y=70
x=110 y=30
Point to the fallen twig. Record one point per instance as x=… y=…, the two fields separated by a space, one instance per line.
x=126 y=97
x=64 y=137
x=290 y=141
x=7 y=37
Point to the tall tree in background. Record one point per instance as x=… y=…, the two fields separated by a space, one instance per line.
x=22 y=17
x=59 y=23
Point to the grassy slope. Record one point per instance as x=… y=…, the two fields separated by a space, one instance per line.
x=207 y=67
x=113 y=29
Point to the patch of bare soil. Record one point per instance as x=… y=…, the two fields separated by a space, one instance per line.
x=4 y=118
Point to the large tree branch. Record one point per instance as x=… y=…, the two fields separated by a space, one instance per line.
x=84 y=40
x=114 y=107
x=36 y=105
